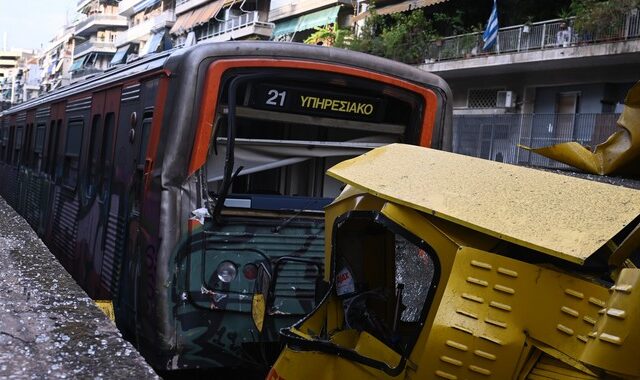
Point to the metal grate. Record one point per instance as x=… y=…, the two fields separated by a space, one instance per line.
x=483 y=97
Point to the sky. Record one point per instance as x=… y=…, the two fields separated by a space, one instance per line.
x=31 y=24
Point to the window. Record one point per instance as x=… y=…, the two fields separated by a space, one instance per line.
x=17 y=147
x=52 y=151
x=94 y=157
x=4 y=136
x=483 y=97
x=146 y=131
x=72 y=150
x=38 y=147
x=384 y=276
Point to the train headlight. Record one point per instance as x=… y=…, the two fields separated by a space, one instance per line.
x=226 y=271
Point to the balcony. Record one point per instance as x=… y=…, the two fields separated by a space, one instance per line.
x=540 y=43
x=95 y=22
x=245 y=25
x=295 y=8
x=94 y=45
x=141 y=31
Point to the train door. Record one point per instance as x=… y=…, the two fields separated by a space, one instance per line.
x=105 y=242
x=53 y=148
x=89 y=261
x=133 y=134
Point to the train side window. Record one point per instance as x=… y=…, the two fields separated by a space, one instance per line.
x=12 y=137
x=17 y=147
x=146 y=131
x=72 y=150
x=3 y=143
x=38 y=147
x=54 y=143
x=27 y=145
x=94 y=156
x=106 y=155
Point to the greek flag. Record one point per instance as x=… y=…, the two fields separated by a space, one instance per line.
x=490 y=36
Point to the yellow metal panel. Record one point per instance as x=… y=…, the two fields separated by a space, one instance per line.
x=492 y=304
x=559 y=215
x=614 y=343
x=107 y=307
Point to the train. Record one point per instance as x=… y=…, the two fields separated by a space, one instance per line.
x=178 y=185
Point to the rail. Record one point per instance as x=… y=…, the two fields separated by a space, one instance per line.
x=496 y=137
x=235 y=23
x=549 y=34
x=101 y=19
x=94 y=43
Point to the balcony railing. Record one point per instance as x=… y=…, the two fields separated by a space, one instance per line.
x=101 y=19
x=496 y=137
x=537 y=36
x=145 y=28
x=233 y=24
x=94 y=44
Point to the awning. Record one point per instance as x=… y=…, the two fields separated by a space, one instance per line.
x=196 y=17
x=400 y=7
x=208 y=12
x=58 y=66
x=144 y=5
x=77 y=64
x=153 y=44
x=308 y=21
x=120 y=56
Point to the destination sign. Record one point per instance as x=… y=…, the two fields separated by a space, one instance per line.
x=319 y=103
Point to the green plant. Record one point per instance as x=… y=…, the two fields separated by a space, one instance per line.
x=328 y=35
x=598 y=17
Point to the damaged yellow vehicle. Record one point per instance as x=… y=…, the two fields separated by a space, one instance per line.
x=442 y=266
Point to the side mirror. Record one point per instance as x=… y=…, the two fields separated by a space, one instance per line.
x=260 y=295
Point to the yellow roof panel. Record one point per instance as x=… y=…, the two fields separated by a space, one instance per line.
x=559 y=215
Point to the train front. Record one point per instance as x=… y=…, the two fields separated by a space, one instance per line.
x=243 y=186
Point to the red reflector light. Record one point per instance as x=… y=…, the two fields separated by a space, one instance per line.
x=250 y=271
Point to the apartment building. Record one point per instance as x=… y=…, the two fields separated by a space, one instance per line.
x=95 y=36
x=220 y=20
x=149 y=22
x=19 y=74
x=55 y=60
x=296 y=20
x=542 y=83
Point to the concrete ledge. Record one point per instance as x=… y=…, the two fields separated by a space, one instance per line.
x=49 y=327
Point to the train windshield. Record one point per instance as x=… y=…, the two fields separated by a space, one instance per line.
x=287 y=130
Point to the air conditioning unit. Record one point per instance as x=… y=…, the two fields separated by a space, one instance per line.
x=506 y=99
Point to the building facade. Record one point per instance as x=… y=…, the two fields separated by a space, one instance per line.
x=542 y=83
x=19 y=77
x=148 y=26
x=295 y=21
x=55 y=61
x=220 y=20
x=95 y=36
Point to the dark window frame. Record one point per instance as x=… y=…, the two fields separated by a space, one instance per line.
x=71 y=158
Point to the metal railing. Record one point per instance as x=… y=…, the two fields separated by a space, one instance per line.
x=496 y=137
x=101 y=19
x=94 y=43
x=146 y=27
x=537 y=36
x=235 y=23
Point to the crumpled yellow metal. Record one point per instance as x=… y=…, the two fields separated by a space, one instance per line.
x=617 y=155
